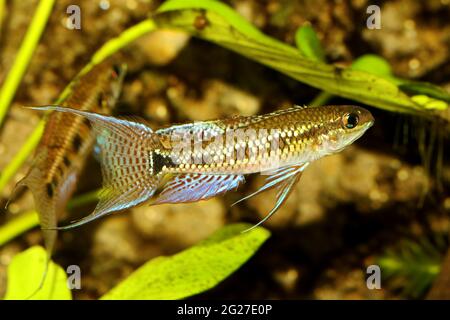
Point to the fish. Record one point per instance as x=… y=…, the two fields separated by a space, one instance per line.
x=196 y=161
x=65 y=145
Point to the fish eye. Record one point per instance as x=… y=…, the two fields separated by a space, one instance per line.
x=350 y=120
x=116 y=70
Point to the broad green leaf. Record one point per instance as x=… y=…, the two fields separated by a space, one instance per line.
x=308 y=43
x=25 y=273
x=373 y=64
x=216 y=22
x=194 y=270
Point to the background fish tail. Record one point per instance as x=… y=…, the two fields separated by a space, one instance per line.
x=46 y=207
x=65 y=145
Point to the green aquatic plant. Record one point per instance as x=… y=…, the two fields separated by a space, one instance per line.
x=368 y=80
x=308 y=43
x=24 y=54
x=2 y=14
x=29 y=220
x=412 y=265
x=223 y=26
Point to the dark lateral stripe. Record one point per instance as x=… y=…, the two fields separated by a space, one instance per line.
x=76 y=142
x=66 y=161
x=49 y=190
x=160 y=160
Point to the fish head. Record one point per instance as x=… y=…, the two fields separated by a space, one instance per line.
x=348 y=123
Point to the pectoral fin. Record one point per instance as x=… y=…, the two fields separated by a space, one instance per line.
x=284 y=179
x=276 y=177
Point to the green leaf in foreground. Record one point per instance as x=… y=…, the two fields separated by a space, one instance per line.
x=194 y=270
x=25 y=275
x=308 y=43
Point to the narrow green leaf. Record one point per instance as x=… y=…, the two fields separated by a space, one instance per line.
x=308 y=43
x=2 y=14
x=425 y=88
x=194 y=270
x=28 y=220
x=216 y=22
x=24 y=55
x=25 y=275
x=24 y=222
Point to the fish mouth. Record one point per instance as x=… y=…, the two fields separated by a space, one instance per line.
x=369 y=123
x=359 y=133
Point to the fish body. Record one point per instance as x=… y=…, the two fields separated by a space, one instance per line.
x=196 y=161
x=66 y=142
x=253 y=144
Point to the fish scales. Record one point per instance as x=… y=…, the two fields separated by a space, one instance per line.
x=289 y=136
x=200 y=160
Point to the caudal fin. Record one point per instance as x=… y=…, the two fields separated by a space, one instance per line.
x=125 y=157
x=47 y=207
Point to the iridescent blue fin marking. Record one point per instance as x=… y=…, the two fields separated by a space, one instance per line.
x=195 y=187
x=125 y=148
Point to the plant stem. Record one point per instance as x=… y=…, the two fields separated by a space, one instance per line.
x=321 y=99
x=13 y=166
x=83 y=199
x=108 y=49
x=24 y=55
x=17 y=226
x=2 y=14
x=29 y=219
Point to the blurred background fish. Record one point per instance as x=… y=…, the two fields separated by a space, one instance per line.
x=65 y=145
